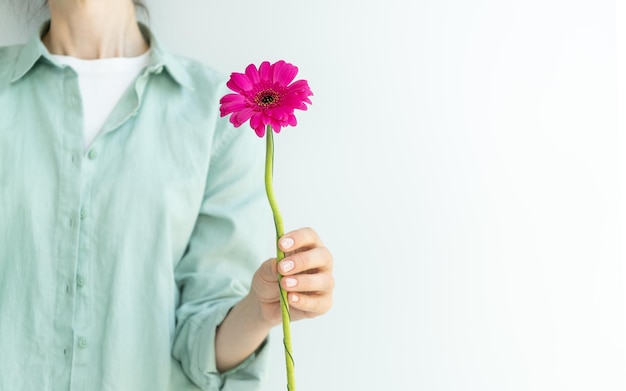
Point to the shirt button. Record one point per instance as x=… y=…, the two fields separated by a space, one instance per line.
x=80 y=281
x=83 y=213
x=92 y=154
x=82 y=343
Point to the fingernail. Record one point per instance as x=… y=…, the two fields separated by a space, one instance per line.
x=287 y=265
x=286 y=243
x=295 y=298
x=290 y=282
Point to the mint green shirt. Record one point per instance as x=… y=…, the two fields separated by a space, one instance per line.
x=117 y=264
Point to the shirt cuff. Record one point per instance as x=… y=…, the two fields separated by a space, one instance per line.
x=245 y=376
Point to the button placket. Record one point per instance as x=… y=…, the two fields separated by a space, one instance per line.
x=70 y=144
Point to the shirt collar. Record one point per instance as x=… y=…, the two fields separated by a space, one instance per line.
x=30 y=53
x=160 y=58
x=34 y=50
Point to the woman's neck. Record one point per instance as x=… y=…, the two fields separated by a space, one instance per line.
x=92 y=29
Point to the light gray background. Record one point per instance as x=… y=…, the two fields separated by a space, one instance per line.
x=462 y=161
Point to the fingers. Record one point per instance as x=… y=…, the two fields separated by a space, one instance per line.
x=308 y=306
x=267 y=271
x=264 y=283
x=306 y=273
x=310 y=283
x=303 y=238
x=317 y=259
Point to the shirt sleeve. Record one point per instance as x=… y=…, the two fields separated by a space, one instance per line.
x=229 y=241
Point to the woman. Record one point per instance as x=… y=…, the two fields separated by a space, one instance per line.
x=132 y=218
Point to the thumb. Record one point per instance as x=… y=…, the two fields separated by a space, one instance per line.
x=268 y=272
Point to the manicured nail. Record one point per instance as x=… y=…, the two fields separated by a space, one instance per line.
x=287 y=265
x=290 y=282
x=295 y=298
x=286 y=243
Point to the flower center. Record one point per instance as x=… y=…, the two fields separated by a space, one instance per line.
x=267 y=98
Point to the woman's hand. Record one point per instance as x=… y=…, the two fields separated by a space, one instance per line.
x=307 y=277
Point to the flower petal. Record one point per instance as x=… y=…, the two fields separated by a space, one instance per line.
x=253 y=74
x=239 y=82
x=280 y=113
x=292 y=121
x=260 y=131
x=300 y=86
x=276 y=126
x=265 y=72
x=240 y=117
x=295 y=102
x=284 y=73
x=231 y=103
x=258 y=124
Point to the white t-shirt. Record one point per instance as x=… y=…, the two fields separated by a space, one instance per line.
x=102 y=83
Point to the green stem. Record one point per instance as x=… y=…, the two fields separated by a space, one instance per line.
x=278 y=222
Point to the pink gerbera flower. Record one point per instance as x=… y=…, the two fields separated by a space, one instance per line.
x=265 y=96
